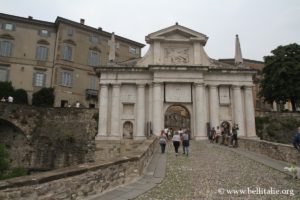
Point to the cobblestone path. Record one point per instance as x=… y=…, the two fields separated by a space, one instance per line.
x=213 y=172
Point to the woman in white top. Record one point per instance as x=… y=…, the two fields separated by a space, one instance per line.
x=176 y=142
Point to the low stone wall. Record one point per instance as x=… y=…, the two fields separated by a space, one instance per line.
x=80 y=181
x=278 y=151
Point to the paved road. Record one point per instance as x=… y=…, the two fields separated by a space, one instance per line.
x=215 y=172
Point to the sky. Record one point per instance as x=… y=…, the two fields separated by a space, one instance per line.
x=262 y=25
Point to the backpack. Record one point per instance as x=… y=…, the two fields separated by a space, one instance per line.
x=162 y=140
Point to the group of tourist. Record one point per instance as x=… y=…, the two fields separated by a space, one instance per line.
x=9 y=99
x=180 y=137
x=228 y=138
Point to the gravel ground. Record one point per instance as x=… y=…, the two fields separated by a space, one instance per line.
x=212 y=172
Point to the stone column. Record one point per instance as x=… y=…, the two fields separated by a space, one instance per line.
x=238 y=110
x=157 y=108
x=115 y=112
x=249 y=112
x=103 y=111
x=150 y=105
x=214 y=106
x=200 y=133
x=140 y=112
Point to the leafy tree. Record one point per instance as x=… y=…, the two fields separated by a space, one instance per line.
x=20 y=96
x=6 y=89
x=43 y=97
x=281 y=75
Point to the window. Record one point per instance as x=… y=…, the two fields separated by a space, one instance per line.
x=93 y=83
x=8 y=27
x=5 y=48
x=44 y=33
x=133 y=50
x=70 y=32
x=4 y=72
x=94 y=39
x=42 y=53
x=67 y=52
x=66 y=79
x=94 y=58
x=39 y=79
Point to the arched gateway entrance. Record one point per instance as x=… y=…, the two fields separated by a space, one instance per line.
x=177 y=117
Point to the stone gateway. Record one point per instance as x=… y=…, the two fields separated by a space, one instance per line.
x=174 y=85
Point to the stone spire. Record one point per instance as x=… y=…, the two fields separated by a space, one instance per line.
x=238 y=59
x=112 y=48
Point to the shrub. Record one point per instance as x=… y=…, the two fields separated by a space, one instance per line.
x=20 y=96
x=4 y=160
x=6 y=89
x=43 y=97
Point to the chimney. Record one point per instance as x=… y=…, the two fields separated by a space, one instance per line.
x=82 y=21
x=99 y=28
x=30 y=17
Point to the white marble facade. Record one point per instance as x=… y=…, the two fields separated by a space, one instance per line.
x=176 y=70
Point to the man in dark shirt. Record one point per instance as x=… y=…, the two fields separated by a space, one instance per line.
x=296 y=141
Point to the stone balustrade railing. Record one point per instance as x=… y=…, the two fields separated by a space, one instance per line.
x=278 y=151
x=78 y=182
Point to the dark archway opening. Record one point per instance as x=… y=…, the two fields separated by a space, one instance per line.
x=177 y=117
x=16 y=144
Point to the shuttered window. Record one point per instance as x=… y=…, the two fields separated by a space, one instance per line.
x=67 y=52
x=94 y=59
x=42 y=53
x=93 y=83
x=4 y=72
x=66 y=78
x=5 y=48
x=39 y=79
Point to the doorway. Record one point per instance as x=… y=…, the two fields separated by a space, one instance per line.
x=177 y=117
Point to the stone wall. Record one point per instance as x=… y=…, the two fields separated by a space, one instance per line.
x=273 y=150
x=50 y=137
x=79 y=181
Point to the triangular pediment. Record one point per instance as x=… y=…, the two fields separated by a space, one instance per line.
x=176 y=32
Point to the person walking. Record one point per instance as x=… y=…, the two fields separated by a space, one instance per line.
x=163 y=141
x=296 y=141
x=176 y=142
x=185 y=143
x=235 y=128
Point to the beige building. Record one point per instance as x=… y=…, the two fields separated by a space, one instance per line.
x=63 y=55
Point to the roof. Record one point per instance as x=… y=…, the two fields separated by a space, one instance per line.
x=96 y=30
x=58 y=20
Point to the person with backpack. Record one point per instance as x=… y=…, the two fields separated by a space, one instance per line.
x=163 y=141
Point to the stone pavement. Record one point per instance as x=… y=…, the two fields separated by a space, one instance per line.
x=211 y=172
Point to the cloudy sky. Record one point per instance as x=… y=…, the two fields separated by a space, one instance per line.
x=262 y=25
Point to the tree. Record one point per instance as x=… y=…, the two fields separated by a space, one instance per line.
x=20 y=96
x=281 y=75
x=6 y=89
x=43 y=97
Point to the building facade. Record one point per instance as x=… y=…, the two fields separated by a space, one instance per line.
x=36 y=54
x=175 y=85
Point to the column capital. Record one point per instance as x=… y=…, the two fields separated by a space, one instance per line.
x=103 y=84
x=213 y=85
x=198 y=84
x=248 y=87
x=140 y=85
x=116 y=85
x=236 y=87
x=155 y=84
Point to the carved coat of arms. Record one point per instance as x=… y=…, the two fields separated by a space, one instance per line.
x=177 y=55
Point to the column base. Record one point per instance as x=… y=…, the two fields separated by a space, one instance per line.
x=101 y=137
x=253 y=137
x=112 y=137
x=139 y=138
x=200 y=138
